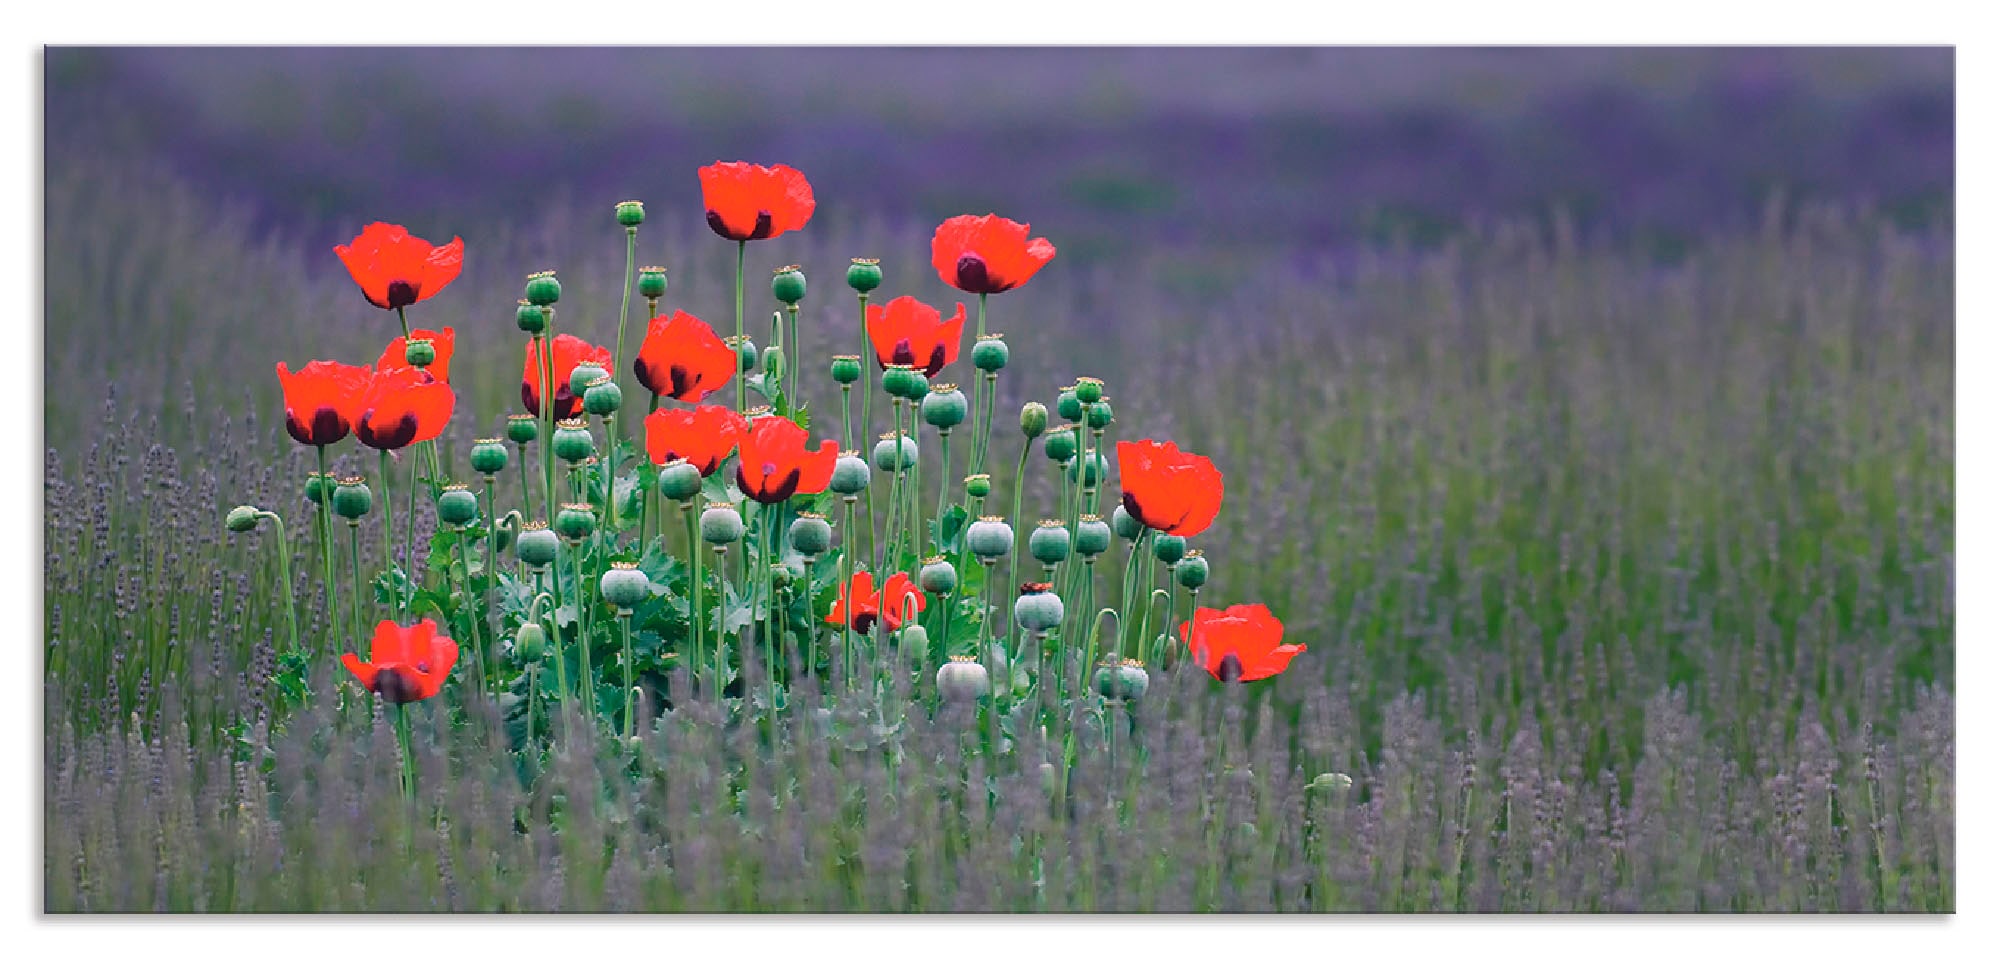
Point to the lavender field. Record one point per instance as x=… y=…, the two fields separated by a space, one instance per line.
x=1599 y=451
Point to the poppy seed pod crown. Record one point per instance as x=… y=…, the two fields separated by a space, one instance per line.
x=937 y=576
x=1049 y=543
x=575 y=521
x=944 y=406
x=630 y=213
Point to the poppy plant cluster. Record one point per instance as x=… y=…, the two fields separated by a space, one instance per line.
x=568 y=353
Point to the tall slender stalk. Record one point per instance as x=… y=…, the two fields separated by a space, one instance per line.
x=388 y=513
x=325 y=506
x=625 y=623
x=354 y=536
x=586 y=676
x=740 y=244
x=285 y=573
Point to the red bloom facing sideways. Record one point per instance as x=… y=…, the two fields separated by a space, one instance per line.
x=704 y=436
x=405 y=663
x=908 y=333
x=682 y=358
x=1239 y=644
x=773 y=463
x=987 y=254
x=404 y=406
x=323 y=400
x=1178 y=493
x=569 y=353
x=395 y=269
x=392 y=355
x=750 y=202
x=860 y=605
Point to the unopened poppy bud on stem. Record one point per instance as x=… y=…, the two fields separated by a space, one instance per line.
x=774 y=362
x=788 y=284
x=1034 y=419
x=351 y=498
x=864 y=275
x=530 y=642
x=457 y=506
x=630 y=213
x=489 y=456
x=241 y=519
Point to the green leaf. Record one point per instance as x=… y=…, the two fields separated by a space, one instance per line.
x=947 y=527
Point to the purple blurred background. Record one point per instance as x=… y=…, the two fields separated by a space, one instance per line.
x=1105 y=149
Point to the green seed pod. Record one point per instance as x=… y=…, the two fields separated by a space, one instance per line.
x=937 y=576
x=1123 y=523
x=573 y=442
x=653 y=282
x=788 y=284
x=575 y=521
x=846 y=370
x=989 y=354
x=850 y=475
x=1060 y=444
x=1090 y=470
x=585 y=373
x=894 y=453
x=1068 y=406
x=1049 y=543
x=489 y=456
x=419 y=353
x=1192 y=571
x=1169 y=549
x=913 y=642
x=543 y=289
x=624 y=586
x=1097 y=415
x=351 y=498
x=979 y=485
x=1038 y=608
x=1126 y=681
x=943 y=406
x=746 y=352
x=680 y=480
x=630 y=213
x=1034 y=419
x=530 y=642
x=538 y=545
x=530 y=318
x=720 y=525
x=319 y=489
x=240 y=519
x=990 y=538
x=603 y=397
x=523 y=428
x=1088 y=390
x=811 y=535
x=1093 y=536
x=901 y=381
x=864 y=275
x=457 y=506
x=962 y=679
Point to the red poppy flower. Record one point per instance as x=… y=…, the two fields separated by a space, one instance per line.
x=1178 y=493
x=395 y=269
x=773 y=463
x=1239 y=644
x=404 y=406
x=987 y=254
x=392 y=355
x=682 y=358
x=750 y=202
x=704 y=436
x=908 y=333
x=860 y=605
x=323 y=400
x=569 y=353
x=405 y=663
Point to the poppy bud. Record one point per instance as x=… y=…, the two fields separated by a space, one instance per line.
x=538 y=545
x=746 y=352
x=864 y=275
x=506 y=529
x=720 y=525
x=1191 y=572
x=1125 y=524
x=788 y=284
x=530 y=318
x=530 y=642
x=989 y=354
x=850 y=475
x=653 y=282
x=1089 y=469
x=522 y=428
x=1034 y=419
x=990 y=538
x=240 y=519
x=1060 y=444
x=587 y=372
x=624 y=586
x=1330 y=782
x=680 y=480
x=903 y=381
x=1127 y=681
x=419 y=353
x=943 y=406
x=603 y=397
x=543 y=289
x=351 y=498
x=1088 y=389
x=575 y=521
x=846 y=369
x=1039 y=608
x=1068 y=406
x=1092 y=536
x=962 y=679
x=894 y=453
x=1097 y=415
x=488 y=456
x=631 y=213
x=914 y=642
x=979 y=485
x=937 y=576
x=573 y=442
x=811 y=535
x=774 y=362
x=1169 y=549
x=319 y=488
x=457 y=506
x=1049 y=543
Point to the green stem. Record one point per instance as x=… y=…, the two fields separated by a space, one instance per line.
x=975 y=456
x=696 y=586
x=645 y=495
x=608 y=464
x=405 y=320
x=740 y=244
x=388 y=513
x=527 y=501
x=625 y=300
x=631 y=702
x=326 y=542
x=1014 y=518
x=285 y=573
x=478 y=641
x=792 y=357
x=554 y=632
x=408 y=752
x=545 y=345
x=354 y=535
x=844 y=589
x=405 y=588
x=944 y=478
x=492 y=576
x=586 y=676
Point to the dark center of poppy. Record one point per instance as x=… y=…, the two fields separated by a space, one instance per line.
x=395 y=687
x=1231 y=668
x=763 y=225
x=395 y=435
x=402 y=293
x=679 y=380
x=902 y=354
x=936 y=362
x=1132 y=506
x=972 y=276
x=864 y=621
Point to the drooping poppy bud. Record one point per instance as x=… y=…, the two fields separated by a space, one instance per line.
x=240 y=519
x=530 y=642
